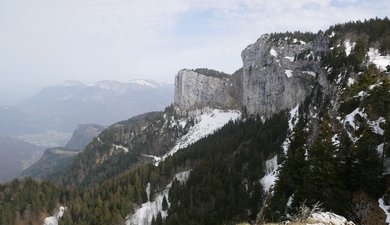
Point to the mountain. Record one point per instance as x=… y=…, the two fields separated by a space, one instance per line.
x=55 y=159
x=104 y=102
x=49 y=117
x=52 y=161
x=83 y=134
x=299 y=129
x=16 y=155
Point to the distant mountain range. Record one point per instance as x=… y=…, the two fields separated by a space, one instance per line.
x=59 y=109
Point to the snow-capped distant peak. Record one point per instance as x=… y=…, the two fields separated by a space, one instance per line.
x=145 y=83
x=72 y=83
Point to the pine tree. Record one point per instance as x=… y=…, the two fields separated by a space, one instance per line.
x=159 y=220
x=164 y=204
x=324 y=184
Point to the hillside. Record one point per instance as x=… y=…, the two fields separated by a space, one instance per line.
x=16 y=155
x=55 y=159
x=302 y=126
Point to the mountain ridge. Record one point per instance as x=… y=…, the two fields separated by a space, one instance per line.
x=327 y=143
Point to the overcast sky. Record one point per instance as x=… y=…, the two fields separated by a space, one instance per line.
x=44 y=42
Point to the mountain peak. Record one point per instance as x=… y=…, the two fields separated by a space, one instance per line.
x=70 y=83
x=145 y=83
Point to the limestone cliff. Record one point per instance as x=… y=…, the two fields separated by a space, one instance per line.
x=277 y=74
x=195 y=90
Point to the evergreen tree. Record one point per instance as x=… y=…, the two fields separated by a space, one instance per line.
x=323 y=183
x=164 y=204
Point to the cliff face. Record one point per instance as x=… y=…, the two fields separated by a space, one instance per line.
x=194 y=90
x=276 y=75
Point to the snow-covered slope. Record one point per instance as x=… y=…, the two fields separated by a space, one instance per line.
x=379 y=60
x=206 y=123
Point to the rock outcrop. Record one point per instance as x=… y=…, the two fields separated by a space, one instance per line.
x=276 y=75
x=194 y=90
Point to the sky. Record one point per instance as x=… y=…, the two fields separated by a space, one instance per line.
x=45 y=42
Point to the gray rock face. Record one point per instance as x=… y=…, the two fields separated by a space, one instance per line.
x=276 y=75
x=194 y=90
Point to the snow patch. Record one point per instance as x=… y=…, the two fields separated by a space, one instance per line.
x=99 y=140
x=183 y=176
x=350 y=119
x=149 y=210
x=380 y=61
x=183 y=123
x=380 y=148
x=155 y=158
x=348 y=47
x=311 y=73
x=290 y=200
x=329 y=218
x=206 y=124
x=120 y=147
x=350 y=82
x=294 y=113
x=147 y=190
x=53 y=220
x=336 y=140
x=289 y=73
x=375 y=125
x=273 y=53
x=289 y=58
x=271 y=167
x=292 y=122
x=385 y=208
x=372 y=86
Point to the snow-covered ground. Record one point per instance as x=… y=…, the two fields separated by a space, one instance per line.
x=380 y=61
x=206 y=124
x=348 y=47
x=120 y=147
x=350 y=82
x=149 y=210
x=292 y=122
x=385 y=208
x=375 y=125
x=273 y=53
x=53 y=220
x=291 y=58
x=289 y=73
x=311 y=73
x=271 y=170
x=324 y=218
